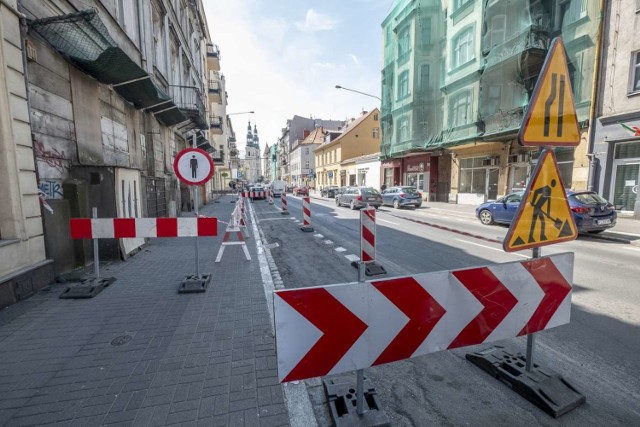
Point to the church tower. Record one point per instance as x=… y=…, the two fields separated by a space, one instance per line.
x=252 y=154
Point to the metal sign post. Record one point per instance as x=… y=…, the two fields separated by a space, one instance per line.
x=96 y=258
x=531 y=339
x=360 y=372
x=195 y=209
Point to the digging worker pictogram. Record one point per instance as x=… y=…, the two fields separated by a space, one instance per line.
x=541 y=202
x=193 y=164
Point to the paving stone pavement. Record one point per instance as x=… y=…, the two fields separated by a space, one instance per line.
x=139 y=353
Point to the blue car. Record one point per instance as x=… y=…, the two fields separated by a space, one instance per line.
x=591 y=212
x=402 y=196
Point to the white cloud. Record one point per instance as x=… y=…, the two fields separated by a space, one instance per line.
x=315 y=22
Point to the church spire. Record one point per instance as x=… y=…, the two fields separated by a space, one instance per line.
x=256 y=140
x=249 y=134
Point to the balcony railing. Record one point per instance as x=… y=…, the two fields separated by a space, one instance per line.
x=215 y=124
x=213 y=51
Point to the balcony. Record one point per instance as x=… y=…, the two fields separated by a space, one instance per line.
x=529 y=46
x=218 y=158
x=190 y=102
x=215 y=124
x=215 y=92
x=213 y=57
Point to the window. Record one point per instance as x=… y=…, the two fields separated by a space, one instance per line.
x=425 y=31
x=128 y=18
x=404 y=46
x=495 y=94
x=572 y=10
x=403 y=130
x=498 y=26
x=306 y=150
x=403 y=85
x=306 y=165
x=635 y=72
x=158 y=39
x=463 y=48
x=457 y=4
x=459 y=110
x=577 y=76
x=376 y=133
x=425 y=72
x=375 y=117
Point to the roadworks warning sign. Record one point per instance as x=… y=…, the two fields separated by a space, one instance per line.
x=544 y=216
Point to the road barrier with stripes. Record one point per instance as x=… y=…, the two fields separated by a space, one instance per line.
x=306 y=214
x=234 y=228
x=283 y=200
x=119 y=228
x=368 y=234
x=270 y=195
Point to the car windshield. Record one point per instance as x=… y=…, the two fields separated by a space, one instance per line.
x=589 y=198
x=370 y=192
x=409 y=190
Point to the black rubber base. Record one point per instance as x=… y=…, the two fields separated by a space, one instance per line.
x=341 y=395
x=87 y=288
x=194 y=284
x=307 y=228
x=285 y=212
x=370 y=268
x=542 y=386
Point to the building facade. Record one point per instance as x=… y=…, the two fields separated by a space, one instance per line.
x=615 y=170
x=25 y=267
x=457 y=78
x=116 y=90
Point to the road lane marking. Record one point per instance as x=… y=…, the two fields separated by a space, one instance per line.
x=327 y=242
x=489 y=247
x=340 y=249
x=384 y=220
x=352 y=257
x=319 y=236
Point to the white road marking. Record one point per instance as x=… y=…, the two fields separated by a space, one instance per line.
x=352 y=257
x=340 y=249
x=384 y=220
x=327 y=242
x=493 y=249
x=319 y=236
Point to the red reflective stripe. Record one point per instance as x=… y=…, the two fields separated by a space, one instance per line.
x=419 y=306
x=80 y=228
x=167 y=227
x=496 y=299
x=366 y=256
x=124 y=227
x=368 y=236
x=207 y=226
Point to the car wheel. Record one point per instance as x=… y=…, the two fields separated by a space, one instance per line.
x=486 y=217
x=352 y=205
x=417 y=206
x=337 y=202
x=396 y=204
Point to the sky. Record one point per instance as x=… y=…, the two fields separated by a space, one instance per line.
x=283 y=58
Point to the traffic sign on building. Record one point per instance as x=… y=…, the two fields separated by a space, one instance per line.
x=193 y=166
x=551 y=117
x=543 y=216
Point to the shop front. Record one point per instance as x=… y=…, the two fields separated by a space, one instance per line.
x=391 y=172
x=417 y=173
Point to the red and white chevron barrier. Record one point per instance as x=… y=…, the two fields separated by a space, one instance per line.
x=368 y=234
x=387 y=320
x=253 y=194
x=306 y=214
x=270 y=194
x=283 y=200
x=120 y=228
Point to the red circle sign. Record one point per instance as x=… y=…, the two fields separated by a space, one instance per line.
x=193 y=166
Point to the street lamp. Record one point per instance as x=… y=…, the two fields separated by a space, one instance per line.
x=241 y=112
x=357 y=91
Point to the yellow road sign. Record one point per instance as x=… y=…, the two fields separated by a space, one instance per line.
x=551 y=117
x=544 y=216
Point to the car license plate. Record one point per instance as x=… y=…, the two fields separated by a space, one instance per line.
x=371 y=199
x=603 y=221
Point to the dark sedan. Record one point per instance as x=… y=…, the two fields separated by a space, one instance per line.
x=591 y=212
x=359 y=197
x=329 y=191
x=402 y=196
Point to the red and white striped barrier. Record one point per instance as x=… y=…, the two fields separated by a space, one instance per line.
x=388 y=320
x=234 y=228
x=120 y=228
x=306 y=214
x=253 y=194
x=283 y=200
x=368 y=234
x=270 y=193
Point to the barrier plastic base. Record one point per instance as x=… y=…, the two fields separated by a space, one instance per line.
x=285 y=212
x=87 y=288
x=370 y=268
x=542 y=386
x=194 y=284
x=307 y=228
x=341 y=395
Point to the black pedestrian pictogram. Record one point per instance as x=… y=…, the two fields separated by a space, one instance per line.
x=541 y=202
x=193 y=164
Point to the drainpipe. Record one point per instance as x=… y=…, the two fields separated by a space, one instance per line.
x=142 y=32
x=597 y=74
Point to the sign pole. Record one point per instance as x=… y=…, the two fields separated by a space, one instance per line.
x=96 y=258
x=360 y=372
x=531 y=339
x=195 y=201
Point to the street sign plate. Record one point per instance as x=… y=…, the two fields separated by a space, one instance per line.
x=193 y=166
x=551 y=117
x=544 y=216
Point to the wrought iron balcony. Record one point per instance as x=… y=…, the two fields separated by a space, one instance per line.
x=215 y=91
x=190 y=101
x=213 y=57
x=215 y=124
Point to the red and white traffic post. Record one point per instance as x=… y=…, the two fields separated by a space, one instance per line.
x=306 y=214
x=283 y=200
x=368 y=244
x=270 y=195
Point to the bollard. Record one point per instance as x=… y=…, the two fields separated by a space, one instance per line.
x=306 y=214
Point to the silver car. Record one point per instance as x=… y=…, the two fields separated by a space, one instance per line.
x=359 y=197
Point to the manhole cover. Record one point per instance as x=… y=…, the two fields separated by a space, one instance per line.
x=121 y=340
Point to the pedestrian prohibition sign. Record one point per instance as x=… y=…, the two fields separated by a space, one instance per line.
x=193 y=166
x=544 y=216
x=551 y=117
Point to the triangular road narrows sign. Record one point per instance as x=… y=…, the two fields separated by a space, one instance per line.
x=544 y=216
x=551 y=117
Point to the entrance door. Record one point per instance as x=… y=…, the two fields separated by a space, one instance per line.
x=492 y=183
x=625 y=185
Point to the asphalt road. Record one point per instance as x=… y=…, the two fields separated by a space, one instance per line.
x=597 y=352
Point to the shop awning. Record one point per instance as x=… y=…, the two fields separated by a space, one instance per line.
x=83 y=40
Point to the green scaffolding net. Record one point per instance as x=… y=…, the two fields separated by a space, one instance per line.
x=463 y=71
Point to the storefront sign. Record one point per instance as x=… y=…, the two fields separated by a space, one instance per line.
x=417 y=167
x=391 y=164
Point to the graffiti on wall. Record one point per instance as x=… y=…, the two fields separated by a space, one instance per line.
x=51 y=157
x=51 y=189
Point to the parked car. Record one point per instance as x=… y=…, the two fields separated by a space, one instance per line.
x=591 y=212
x=329 y=191
x=359 y=197
x=402 y=196
x=339 y=191
x=302 y=190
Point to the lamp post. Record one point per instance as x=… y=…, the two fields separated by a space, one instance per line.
x=361 y=93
